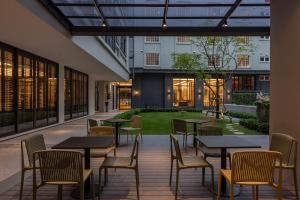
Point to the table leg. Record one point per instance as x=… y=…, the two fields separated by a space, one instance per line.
x=223 y=166
x=117 y=134
x=195 y=133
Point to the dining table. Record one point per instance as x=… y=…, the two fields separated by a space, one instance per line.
x=196 y=122
x=116 y=122
x=86 y=143
x=224 y=143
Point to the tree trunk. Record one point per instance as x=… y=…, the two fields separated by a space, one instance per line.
x=217 y=99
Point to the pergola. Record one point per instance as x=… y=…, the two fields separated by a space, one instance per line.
x=162 y=17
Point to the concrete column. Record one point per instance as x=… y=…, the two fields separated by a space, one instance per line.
x=198 y=93
x=285 y=70
x=91 y=99
x=168 y=96
x=61 y=93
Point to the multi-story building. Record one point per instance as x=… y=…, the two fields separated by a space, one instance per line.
x=155 y=83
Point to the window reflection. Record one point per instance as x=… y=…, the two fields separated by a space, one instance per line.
x=183 y=92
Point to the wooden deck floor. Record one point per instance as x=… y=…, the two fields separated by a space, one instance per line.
x=154 y=168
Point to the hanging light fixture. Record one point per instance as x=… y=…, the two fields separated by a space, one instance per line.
x=164 y=25
x=103 y=24
x=225 y=24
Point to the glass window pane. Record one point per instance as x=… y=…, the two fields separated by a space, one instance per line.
x=52 y=93
x=41 y=81
x=183 y=92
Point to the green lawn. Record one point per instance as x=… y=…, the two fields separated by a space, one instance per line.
x=159 y=123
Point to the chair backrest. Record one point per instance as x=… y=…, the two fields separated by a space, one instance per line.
x=102 y=131
x=178 y=126
x=91 y=123
x=255 y=166
x=173 y=151
x=135 y=150
x=286 y=145
x=31 y=144
x=136 y=121
x=177 y=149
x=210 y=131
x=60 y=166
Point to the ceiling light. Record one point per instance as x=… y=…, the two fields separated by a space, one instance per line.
x=103 y=24
x=225 y=24
x=164 y=25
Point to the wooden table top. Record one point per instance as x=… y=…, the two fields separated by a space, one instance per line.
x=116 y=120
x=226 y=142
x=88 y=142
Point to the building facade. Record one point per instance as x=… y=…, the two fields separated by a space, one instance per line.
x=48 y=76
x=155 y=83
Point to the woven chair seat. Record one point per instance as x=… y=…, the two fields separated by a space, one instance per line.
x=193 y=161
x=115 y=162
x=96 y=153
x=86 y=175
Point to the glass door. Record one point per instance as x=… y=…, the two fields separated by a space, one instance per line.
x=210 y=91
x=124 y=98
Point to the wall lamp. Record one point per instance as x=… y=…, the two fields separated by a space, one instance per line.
x=169 y=92
x=199 y=92
x=136 y=93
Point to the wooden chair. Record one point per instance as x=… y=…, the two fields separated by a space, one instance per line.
x=287 y=146
x=61 y=168
x=130 y=162
x=103 y=131
x=91 y=123
x=28 y=147
x=135 y=128
x=179 y=127
x=188 y=162
x=253 y=168
x=209 y=152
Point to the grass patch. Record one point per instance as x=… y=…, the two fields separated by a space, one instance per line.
x=159 y=123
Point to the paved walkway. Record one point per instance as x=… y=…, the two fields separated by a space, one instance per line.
x=10 y=153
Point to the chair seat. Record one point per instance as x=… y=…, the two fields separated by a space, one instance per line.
x=98 y=153
x=117 y=162
x=194 y=161
x=130 y=129
x=212 y=152
x=86 y=173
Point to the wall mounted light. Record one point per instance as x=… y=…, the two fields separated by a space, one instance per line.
x=169 y=92
x=199 y=92
x=136 y=92
x=228 y=92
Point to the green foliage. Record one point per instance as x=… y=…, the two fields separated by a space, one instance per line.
x=128 y=114
x=263 y=111
x=254 y=124
x=244 y=98
x=241 y=115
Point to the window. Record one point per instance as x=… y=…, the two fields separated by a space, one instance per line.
x=243 y=61
x=264 y=58
x=183 y=92
x=243 y=40
x=264 y=77
x=183 y=40
x=152 y=39
x=243 y=82
x=152 y=59
x=214 y=61
x=265 y=37
x=210 y=88
x=76 y=94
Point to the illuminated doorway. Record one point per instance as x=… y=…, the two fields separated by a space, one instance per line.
x=210 y=91
x=124 y=94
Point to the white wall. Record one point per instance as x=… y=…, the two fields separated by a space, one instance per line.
x=285 y=69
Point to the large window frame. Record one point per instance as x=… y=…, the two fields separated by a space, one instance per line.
x=146 y=59
x=243 y=83
x=184 y=92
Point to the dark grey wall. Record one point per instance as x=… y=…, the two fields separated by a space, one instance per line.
x=263 y=86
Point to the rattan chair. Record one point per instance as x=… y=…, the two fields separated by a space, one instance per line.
x=103 y=131
x=286 y=145
x=135 y=128
x=91 y=123
x=179 y=127
x=253 y=168
x=187 y=162
x=28 y=147
x=61 y=168
x=210 y=152
x=130 y=162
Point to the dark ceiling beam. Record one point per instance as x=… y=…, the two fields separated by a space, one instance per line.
x=172 y=31
x=100 y=12
x=169 y=17
x=162 y=5
x=229 y=13
x=164 y=21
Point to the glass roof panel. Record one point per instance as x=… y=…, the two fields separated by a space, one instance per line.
x=73 y=1
x=197 y=11
x=86 y=22
x=131 y=1
x=192 y=22
x=252 y=11
x=255 y=1
x=134 y=22
x=201 y=2
x=248 y=22
x=78 y=10
x=133 y=11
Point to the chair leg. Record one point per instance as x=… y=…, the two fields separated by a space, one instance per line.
x=186 y=138
x=93 y=186
x=279 y=193
x=99 y=186
x=22 y=183
x=219 y=186
x=183 y=138
x=212 y=182
x=231 y=192
x=59 y=193
x=105 y=176
x=137 y=183
x=171 y=172
x=127 y=137
x=296 y=183
x=177 y=182
x=203 y=172
x=81 y=191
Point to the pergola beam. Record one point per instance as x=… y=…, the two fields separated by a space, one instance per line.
x=100 y=12
x=164 y=21
x=170 y=17
x=229 y=13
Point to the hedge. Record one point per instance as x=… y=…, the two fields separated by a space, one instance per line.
x=253 y=124
x=244 y=98
x=241 y=115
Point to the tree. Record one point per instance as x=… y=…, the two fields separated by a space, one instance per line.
x=215 y=57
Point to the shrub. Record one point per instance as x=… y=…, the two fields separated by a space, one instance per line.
x=241 y=115
x=253 y=124
x=128 y=114
x=244 y=98
x=263 y=111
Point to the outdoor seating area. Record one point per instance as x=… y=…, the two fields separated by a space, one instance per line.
x=93 y=167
